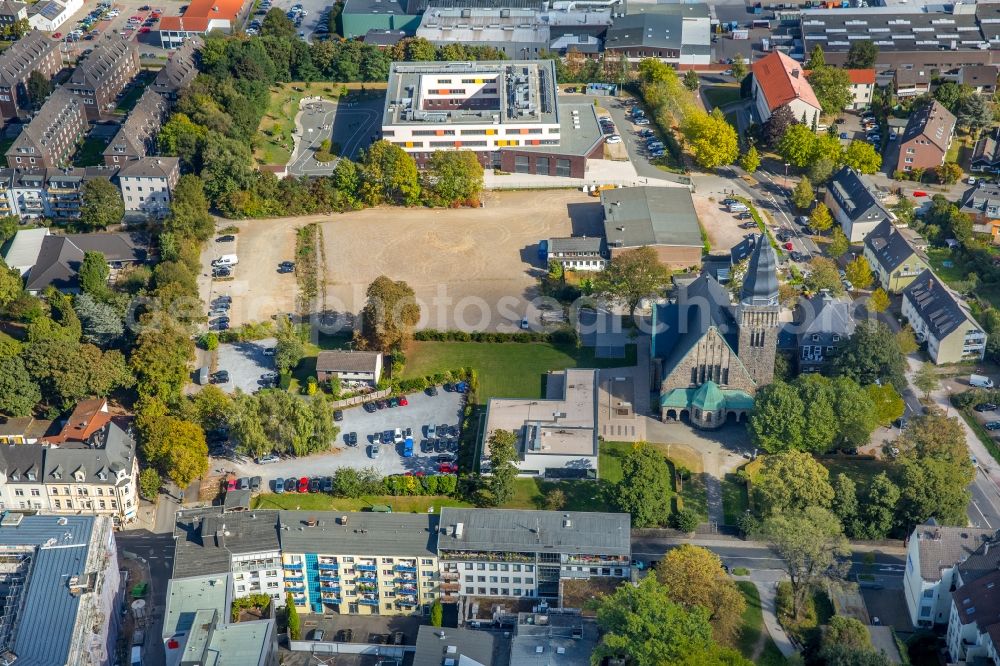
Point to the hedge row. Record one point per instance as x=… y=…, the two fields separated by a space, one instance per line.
x=563 y=336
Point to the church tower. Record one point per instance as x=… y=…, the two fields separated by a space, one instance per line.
x=757 y=313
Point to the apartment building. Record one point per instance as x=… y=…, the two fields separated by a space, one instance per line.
x=197 y=626
x=932 y=554
x=136 y=137
x=90 y=466
x=780 y=81
x=927 y=138
x=62 y=594
x=480 y=106
x=50 y=138
x=180 y=70
x=513 y=553
x=973 y=633
x=894 y=258
x=851 y=198
x=578 y=253
x=11 y=12
x=862 y=88
x=34 y=52
x=360 y=563
x=825 y=324
x=241 y=543
x=147 y=184
x=943 y=320
x=103 y=74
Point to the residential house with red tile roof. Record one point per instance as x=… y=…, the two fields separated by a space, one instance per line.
x=862 y=87
x=778 y=81
x=200 y=17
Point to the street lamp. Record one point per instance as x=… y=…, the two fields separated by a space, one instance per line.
x=786 y=176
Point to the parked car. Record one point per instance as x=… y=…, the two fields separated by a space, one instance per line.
x=614 y=138
x=448 y=468
x=255 y=483
x=286 y=267
x=352 y=439
x=338 y=415
x=269 y=458
x=268 y=351
x=303 y=486
x=220 y=377
x=243 y=483
x=291 y=485
x=992 y=425
x=985 y=407
x=315 y=484
x=228 y=238
x=403 y=402
x=431 y=390
x=431 y=431
x=278 y=485
x=369 y=407
x=373 y=451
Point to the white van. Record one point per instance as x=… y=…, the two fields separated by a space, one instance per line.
x=979 y=381
x=226 y=260
x=737 y=207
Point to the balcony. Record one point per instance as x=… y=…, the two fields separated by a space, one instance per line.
x=327 y=588
x=450 y=575
x=291 y=566
x=404 y=579
x=368 y=602
x=295 y=579
x=328 y=596
x=332 y=566
x=295 y=588
x=599 y=560
x=449 y=598
x=476 y=556
x=406 y=602
x=405 y=568
x=366 y=579
x=327 y=579
x=366 y=567
x=412 y=589
x=451 y=587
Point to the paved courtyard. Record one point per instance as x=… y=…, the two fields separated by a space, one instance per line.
x=350 y=125
x=444 y=408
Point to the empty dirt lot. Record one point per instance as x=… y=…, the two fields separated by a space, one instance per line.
x=473 y=269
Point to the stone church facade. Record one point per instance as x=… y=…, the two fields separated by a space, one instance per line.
x=715 y=353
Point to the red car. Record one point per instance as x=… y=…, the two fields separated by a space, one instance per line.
x=448 y=468
x=143 y=30
x=920 y=193
x=788 y=246
x=231 y=484
x=303 y=484
x=56 y=35
x=403 y=402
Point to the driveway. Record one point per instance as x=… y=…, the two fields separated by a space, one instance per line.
x=444 y=408
x=245 y=362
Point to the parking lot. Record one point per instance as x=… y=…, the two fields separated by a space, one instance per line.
x=148 y=42
x=313 y=17
x=422 y=410
x=246 y=364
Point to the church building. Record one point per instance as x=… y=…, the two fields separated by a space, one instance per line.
x=713 y=353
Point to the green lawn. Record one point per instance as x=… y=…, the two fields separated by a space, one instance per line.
x=307 y=366
x=91 y=153
x=325 y=502
x=610 y=470
x=734 y=499
x=508 y=369
x=580 y=495
x=860 y=471
x=950 y=274
x=753 y=628
x=721 y=95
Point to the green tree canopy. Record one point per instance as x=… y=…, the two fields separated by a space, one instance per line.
x=18 y=392
x=832 y=86
x=455 y=175
x=503 y=465
x=791 y=481
x=645 y=488
x=390 y=314
x=872 y=354
x=389 y=175
x=862 y=157
x=750 y=160
x=778 y=418
x=101 y=205
x=631 y=276
x=803 y=194
x=711 y=139
x=861 y=55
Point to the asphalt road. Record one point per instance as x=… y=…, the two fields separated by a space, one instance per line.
x=157 y=550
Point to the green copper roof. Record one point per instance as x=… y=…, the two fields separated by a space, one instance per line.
x=707 y=397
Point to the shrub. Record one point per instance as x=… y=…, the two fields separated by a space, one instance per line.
x=209 y=341
x=149 y=483
x=292 y=618
x=685 y=520
x=437 y=613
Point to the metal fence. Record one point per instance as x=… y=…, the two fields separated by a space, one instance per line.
x=358 y=399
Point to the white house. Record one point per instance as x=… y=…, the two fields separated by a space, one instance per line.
x=351 y=366
x=778 y=81
x=862 y=88
x=148 y=183
x=932 y=554
x=48 y=15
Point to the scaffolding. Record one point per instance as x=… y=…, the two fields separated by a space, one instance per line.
x=15 y=570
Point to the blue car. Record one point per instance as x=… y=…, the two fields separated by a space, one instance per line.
x=408 y=447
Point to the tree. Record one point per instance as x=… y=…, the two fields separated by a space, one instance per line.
x=832 y=86
x=437 y=613
x=712 y=140
x=812 y=546
x=790 y=482
x=694 y=578
x=455 y=175
x=818 y=400
x=189 y=216
x=183 y=138
x=503 y=467
x=631 y=276
x=861 y=55
x=18 y=392
x=887 y=402
x=845 y=655
x=862 y=157
x=159 y=360
x=907 y=340
x=872 y=354
x=347 y=178
x=175 y=446
x=289 y=349
x=277 y=24
x=859 y=273
x=926 y=379
x=823 y=274
x=778 y=419
x=750 y=160
x=149 y=483
x=803 y=195
x=845 y=499
x=389 y=175
x=948 y=173
x=101 y=205
x=39 y=88
x=816 y=58
x=934 y=488
x=555 y=500
x=645 y=488
x=691 y=80
x=951 y=93
x=878 y=301
x=820 y=219
x=11 y=285
x=642 y=624
x=390 y=314
x=935 y=435
x=775 y=127
x=879 y=513
x=292 y=618
x=974 y=113
x=798 y=146
x=839 y=244
x=102 y=323
x=739 y=67
x=686 y=520
x=94 y=274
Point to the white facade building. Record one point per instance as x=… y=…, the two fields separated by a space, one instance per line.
x=48 y=15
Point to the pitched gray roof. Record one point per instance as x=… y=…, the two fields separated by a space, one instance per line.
x=637 y=216
x=347 y=361
x=937 y=305
x=435 y=645
x=113 y=451
x=942 y=547
x=47 y=619
x=983 y=199
x=890 y=248
x=366 y=533
x=11 y=8
x=932 y=121
x=20 y=460
x=700 y=305
x=181 y=68
x=588 y=245
x=986 y=154
x=137 y=133
x=103 y=62
x=22 y=57
x=760 y=285
x=826 y=316
x=853 y=192
x=61 y=256
x=535 y=531
x=58 y=113
x=205 y=539
x=150 y=167
x=660 y=31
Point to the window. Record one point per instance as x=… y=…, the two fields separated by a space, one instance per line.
x=518 y=592
x=494 y=591
x=35 y=492
x=562 y=168
x=522 y=164
x=928 y=593
x=493 y=579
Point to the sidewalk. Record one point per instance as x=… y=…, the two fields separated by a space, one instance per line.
x=767 y=591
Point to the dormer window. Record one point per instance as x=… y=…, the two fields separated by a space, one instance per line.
x=79 y=476
x=31 y=476
x=836 y=338
x=815 y=337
